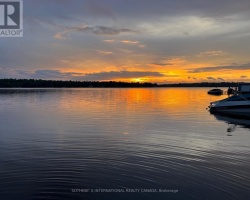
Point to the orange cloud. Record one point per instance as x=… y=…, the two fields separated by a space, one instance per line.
x=212 y=53
x=131 y=42
x=108 y=41
x=105 y=52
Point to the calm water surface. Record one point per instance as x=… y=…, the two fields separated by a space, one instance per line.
x=53 y=141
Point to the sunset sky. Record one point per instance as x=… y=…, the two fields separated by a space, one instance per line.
x=163 y=41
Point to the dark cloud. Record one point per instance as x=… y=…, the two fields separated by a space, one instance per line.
x=220 y=68
x=243 y=76
x=96 y=30
x=38 y=74
x=121 y=74
x=53 y=74
x=220 y=79
x=214 y=79
x=59 y=75
x=161 y=64
x=102 y=30
x=192 y=78
x=211 y=78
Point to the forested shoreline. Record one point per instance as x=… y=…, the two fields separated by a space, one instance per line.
x=38 y=83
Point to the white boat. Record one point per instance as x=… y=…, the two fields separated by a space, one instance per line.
x=238 y=104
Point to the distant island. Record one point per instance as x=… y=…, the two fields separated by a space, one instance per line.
x=38 y=83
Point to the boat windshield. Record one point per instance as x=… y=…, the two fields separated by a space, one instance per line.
x=239 y=97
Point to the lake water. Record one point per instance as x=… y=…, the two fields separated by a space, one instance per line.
x=67 y=143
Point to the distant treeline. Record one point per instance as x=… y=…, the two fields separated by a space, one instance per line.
x=202 y=84
x=33 y=83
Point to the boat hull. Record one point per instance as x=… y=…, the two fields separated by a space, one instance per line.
x=215 y=92
x=243 y=111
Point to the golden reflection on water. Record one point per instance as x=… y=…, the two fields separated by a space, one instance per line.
x=169 y=100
